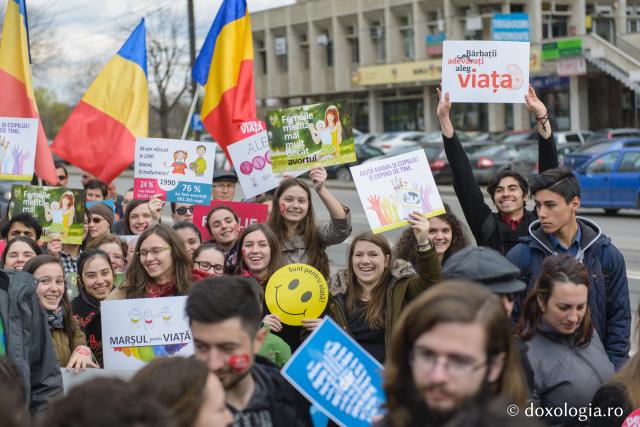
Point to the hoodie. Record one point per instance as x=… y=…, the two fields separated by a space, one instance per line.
x=608 y=286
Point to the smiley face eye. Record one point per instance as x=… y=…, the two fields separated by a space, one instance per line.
x=306 y=296
x=294 y=284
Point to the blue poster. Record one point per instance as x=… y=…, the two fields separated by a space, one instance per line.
x=510 y=27
x=337 y=376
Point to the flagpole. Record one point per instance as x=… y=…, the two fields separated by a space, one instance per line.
x=191 y=111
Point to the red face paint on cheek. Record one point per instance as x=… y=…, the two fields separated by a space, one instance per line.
x=283 y=208
x=239 y=362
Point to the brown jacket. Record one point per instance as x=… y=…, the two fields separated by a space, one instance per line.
x=60 y=342
x=404 y=286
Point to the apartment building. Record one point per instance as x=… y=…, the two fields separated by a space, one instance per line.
x=385 y=57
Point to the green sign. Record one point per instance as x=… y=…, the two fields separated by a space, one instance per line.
x=561 y=49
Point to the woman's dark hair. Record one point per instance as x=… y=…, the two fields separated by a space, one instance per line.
x=562 y=268
x=130 y=207
x=220 y=208
x=34 y=264
x=206 y=247
x=137 y=279
x=276 y=259
x=105 y=238
x=406 y=245
x=87 y=256
x=374 y=308
x=26 y=240
x=178 y=383
x=316 y=255
x=11 y=379
x=191 y=226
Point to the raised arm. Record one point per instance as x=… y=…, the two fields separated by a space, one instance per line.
x=338 y=229
x=467 y=189
x=547 y=150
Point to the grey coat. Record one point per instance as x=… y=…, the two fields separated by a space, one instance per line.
x=565 y=372
x=28 y=338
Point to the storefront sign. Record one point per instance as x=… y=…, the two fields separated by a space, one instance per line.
x=419 y=71
x=549 y=82
x=485 y=71
x=561 y=49
x=572 y=67
x=512 y=27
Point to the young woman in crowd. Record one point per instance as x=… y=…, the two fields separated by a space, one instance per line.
x=160 y=266
x=95 y=282
x=131 y=250
x=114 y=247
x=293 y=221
x=623 y=391
x=18 y=251
x=69 y=342
x=141 y=214
x=208 y=260
x=370 y=293
x=565 y=351
x=224 y=227
x=190 y=235
x=447 y=233
x=193 y=396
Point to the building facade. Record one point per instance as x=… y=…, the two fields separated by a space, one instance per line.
x=385 y=55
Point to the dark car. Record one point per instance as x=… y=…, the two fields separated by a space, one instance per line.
x=611 y=180
x=526 y=161
x=492 y=159
x=613 y=133
x=438 y=159
x=586 y=152
x=363 y=152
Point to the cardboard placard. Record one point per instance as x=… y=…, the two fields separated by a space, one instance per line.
x=18 y=139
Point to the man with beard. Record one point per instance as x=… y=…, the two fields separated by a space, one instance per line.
x=225 y=317
x=508 y=190
x=452 y=347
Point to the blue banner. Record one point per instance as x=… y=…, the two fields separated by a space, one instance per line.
x=512 y=27
x=192 y=193
x=338 y=376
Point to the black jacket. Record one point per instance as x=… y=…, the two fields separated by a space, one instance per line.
x=609 y=396
x=86 y=311
x=487 y=227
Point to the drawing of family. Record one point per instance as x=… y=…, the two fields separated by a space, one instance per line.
x=60 y=214
x=180 y=165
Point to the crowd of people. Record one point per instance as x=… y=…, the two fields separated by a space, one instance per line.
x=537 y=315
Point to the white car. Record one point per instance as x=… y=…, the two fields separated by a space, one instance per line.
x=389 y=140
x=581 y=136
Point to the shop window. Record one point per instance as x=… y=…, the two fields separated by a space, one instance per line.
x=470 y=117
x=406 y=115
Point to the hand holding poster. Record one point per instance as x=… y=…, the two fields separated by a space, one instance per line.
x=136 y=331
x=311 y=135
x=17 y=148
x=60 y=211
x=248 y=213
x=181 y=171
x=485 y=71
x=390 y=189
x=335 y=374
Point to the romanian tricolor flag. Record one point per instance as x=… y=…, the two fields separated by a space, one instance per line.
x=225 y=68
x=100 y=135
x=16 y=90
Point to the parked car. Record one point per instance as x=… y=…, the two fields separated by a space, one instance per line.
x=581 y=155
x=492 y=159
x=614 y=133
x=515 y=136
x=363 y=152
x=526 y=161
x=579 y=136
x=389 y=140
x=611 y=180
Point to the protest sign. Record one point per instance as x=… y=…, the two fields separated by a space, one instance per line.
x=310 y=135
x=337 y=376
x=390 y=189
x=181 y=171
x=248 y=213
x=295 y=292
x=251 y=159
x=136 y=331
x=70 y=379
x=59 y=211
x=485 y=71
x=17 y=148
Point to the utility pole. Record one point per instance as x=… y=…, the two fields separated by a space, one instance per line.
x=192 y=52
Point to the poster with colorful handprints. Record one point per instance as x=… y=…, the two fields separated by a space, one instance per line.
x=251 y=159
x=60 y=211
x=17 y=148
x=390 y=189
x=181 y=171
x=310 y=135
x=136 y=331
x=485 y=71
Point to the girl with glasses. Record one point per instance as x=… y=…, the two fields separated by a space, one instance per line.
x=208 y=261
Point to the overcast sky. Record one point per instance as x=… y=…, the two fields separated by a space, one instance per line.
x=93 y=29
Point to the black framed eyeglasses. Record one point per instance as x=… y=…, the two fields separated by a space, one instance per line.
x=182 y=210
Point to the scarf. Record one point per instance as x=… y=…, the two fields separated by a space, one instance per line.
x=89 y=300
x=55 y=318
x=155 y=290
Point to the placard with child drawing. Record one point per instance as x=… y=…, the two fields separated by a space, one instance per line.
x=310 y=135
x=181 y=171
x=17 y=148
x=390 y=189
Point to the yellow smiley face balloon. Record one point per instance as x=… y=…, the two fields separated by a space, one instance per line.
x=296 y=292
